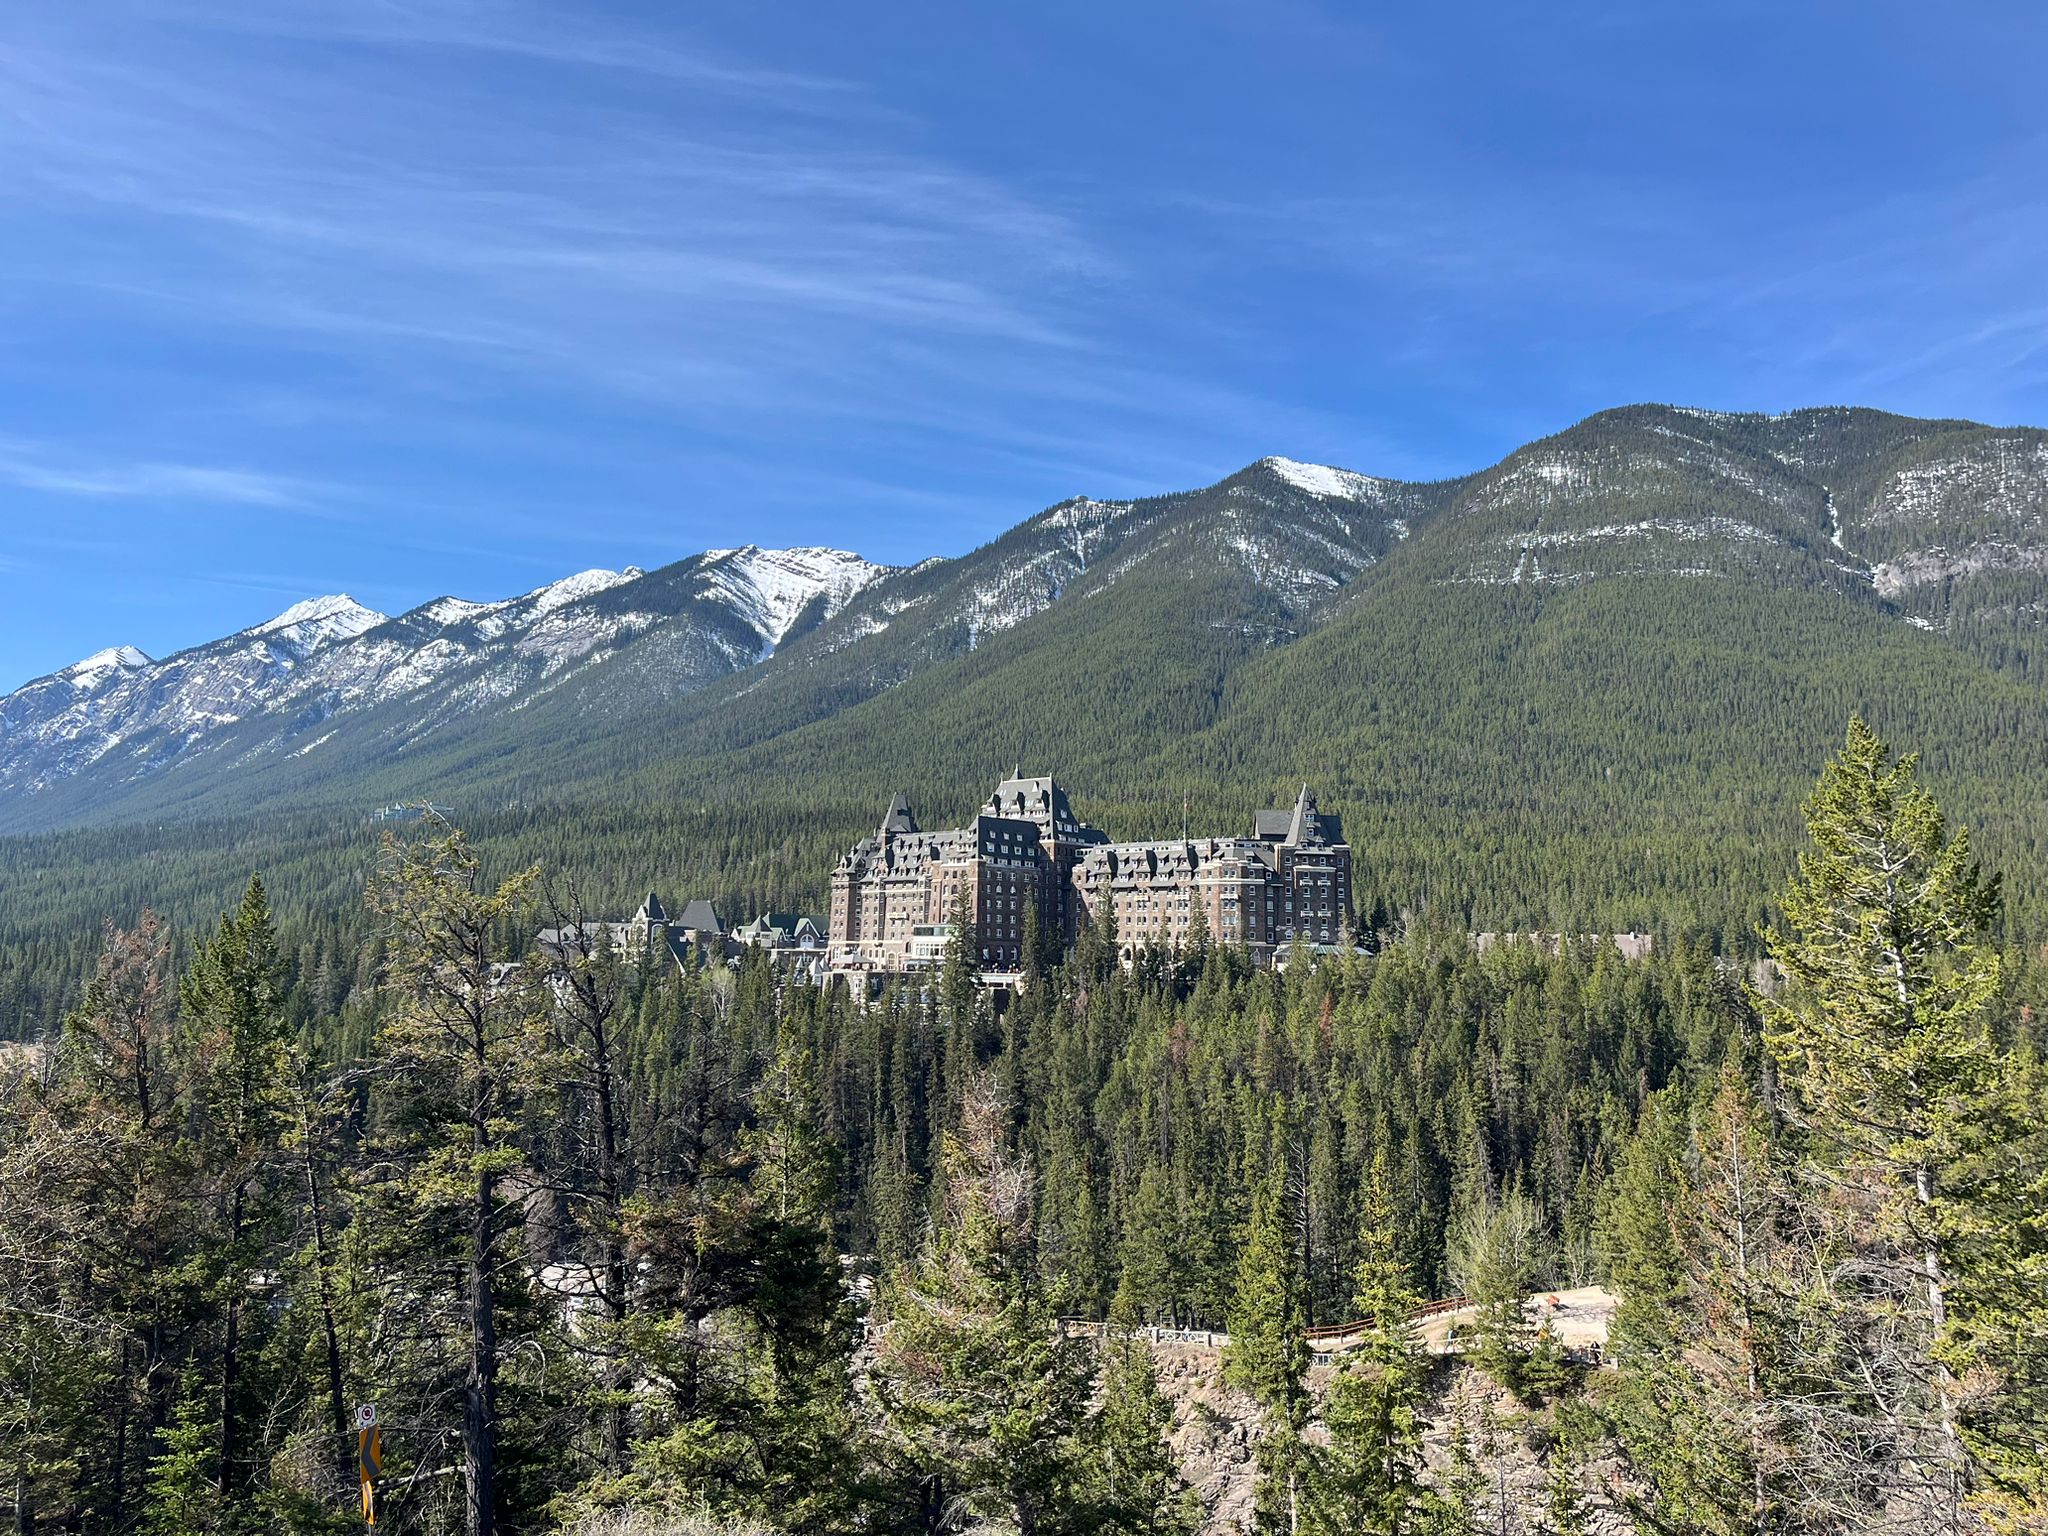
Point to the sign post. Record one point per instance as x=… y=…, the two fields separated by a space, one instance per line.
x=369 y=1458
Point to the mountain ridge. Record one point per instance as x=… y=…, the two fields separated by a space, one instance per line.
x=330 y=655
x=1562 y=645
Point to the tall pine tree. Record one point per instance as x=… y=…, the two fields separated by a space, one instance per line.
x=1910 y=1110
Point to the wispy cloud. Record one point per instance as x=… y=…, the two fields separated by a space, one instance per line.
x=35 y=471
x=519 y=31
x=715 y=263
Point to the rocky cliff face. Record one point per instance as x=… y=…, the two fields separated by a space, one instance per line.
x=1216 y=1431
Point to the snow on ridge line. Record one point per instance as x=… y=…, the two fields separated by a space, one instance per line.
x=569 y=589
x=336 y=613
x=1322 y=479
x=115 y=658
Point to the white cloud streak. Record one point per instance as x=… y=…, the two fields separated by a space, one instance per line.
x=716 y=263
x=34 y=470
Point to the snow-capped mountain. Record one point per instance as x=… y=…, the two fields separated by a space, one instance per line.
x=749 y=663
x=1297 y=532
x=330 y=668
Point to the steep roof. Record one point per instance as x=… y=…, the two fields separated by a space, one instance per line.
x=1040 y=799
x=651 y=910
x=1302 y=825
x=699 y=918
x=899 y=818
x=1305 y=826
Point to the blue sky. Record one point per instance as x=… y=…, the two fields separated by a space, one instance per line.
x=406 y=297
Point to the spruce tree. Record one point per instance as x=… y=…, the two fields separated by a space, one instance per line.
x=1369 y=1477
x=960 y=969
x=467 y=1042
x=1137 y=1486
x=1902 y=1093
x=182 y=1497
x=986 y=1400
x=234 y=1030
x=801 y=1421
x=1268 y=1351
x=1148 y=1286
x=1565 y=1501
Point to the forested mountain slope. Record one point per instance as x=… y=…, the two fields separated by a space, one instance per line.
x=1582 y=686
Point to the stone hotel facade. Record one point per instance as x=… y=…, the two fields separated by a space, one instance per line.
x=893 y=894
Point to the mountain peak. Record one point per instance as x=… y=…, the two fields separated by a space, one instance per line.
x=101 y=665
x=773 y=588
x=334 y=615
x=1323 y=479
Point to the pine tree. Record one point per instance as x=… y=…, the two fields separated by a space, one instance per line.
x=1369 y=1478
x=1894 y=1077
x=586 y=977
x=57 y=1335
x=1268 y=1351
x=468 y=1043
x=234 y=1028
x=986 y=1399
x=1495 y=1258
x=133 y=1241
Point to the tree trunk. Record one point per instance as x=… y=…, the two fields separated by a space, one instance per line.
x=117 y=1484
x=324 y=1286
x=230 y=1360
x=479 y=1406
x=617 y=1301
x=1955 y=1460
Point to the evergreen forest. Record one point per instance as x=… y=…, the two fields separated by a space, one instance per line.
x=657 y=1249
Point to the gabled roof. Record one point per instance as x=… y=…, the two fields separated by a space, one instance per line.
x=699 y=918
x=782 y=924
x=651 y=910
x=899 y=818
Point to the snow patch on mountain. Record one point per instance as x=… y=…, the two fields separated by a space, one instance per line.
x=319 y=621
x=2001 y=479
x=100 y=665
x=773 y=588
x=1926 y=567
x=570 y=589
x=1324 y=480
x=1649 y=527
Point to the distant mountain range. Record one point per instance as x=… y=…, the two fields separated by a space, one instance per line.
x=1647 y=628
x=330 y=668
